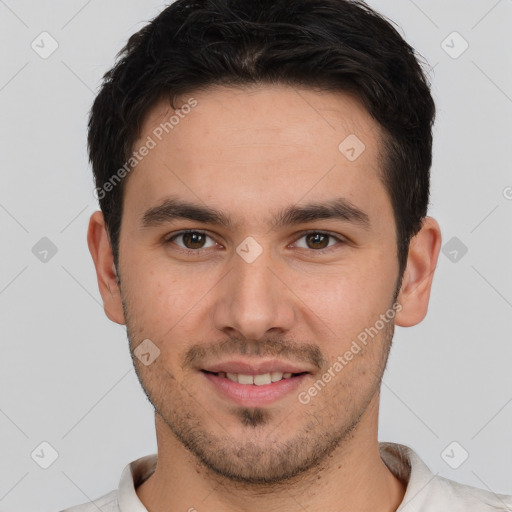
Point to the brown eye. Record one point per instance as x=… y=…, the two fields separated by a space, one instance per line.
x=317 y=240
x=192 y=240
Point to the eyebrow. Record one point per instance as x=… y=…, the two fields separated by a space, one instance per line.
x=175 y=209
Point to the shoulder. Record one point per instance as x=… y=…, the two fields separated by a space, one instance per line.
x=465 y=498
x=106 y=503
x=429 y=492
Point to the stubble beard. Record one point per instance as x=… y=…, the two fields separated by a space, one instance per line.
x=263 y=458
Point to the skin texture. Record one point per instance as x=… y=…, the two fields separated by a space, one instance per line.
x=251 y=152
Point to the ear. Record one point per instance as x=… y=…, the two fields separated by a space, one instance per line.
x=101 y=252
x=417 y=281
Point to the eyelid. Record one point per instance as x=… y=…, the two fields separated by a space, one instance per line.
x=339 y=237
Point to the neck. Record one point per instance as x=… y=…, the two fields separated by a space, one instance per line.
x=353 y=477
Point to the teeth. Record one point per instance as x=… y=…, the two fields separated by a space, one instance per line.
x=275 y=376
x=258 y=380
x=245 y=379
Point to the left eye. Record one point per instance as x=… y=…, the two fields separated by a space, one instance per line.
x=192 y=240
x=317 y=240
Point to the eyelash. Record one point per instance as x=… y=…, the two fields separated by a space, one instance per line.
x=170 y=239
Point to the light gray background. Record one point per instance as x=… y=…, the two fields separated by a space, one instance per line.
x=66 y=374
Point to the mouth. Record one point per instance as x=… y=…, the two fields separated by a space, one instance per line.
x=254 y=390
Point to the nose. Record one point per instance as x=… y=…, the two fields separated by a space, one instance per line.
x=253 y=301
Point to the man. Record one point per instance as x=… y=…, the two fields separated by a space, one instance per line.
x=262 y=169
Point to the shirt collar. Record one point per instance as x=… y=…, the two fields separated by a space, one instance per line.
x=132 y=476
x=408 y=467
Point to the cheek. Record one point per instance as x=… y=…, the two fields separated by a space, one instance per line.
x=347 y=300
x=349 y=288
x=166 y=303
x=155 y=297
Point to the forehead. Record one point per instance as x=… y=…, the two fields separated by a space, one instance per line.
x=242 y=148
x=258 y=113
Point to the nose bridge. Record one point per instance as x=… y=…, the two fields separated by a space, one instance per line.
x=253 y=299
x=253 y=279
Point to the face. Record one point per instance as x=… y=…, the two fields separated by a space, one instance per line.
x=253 y=244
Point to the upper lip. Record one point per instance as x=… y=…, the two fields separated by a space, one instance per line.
x=254 y=368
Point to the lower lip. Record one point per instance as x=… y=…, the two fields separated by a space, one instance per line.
x=251 y=395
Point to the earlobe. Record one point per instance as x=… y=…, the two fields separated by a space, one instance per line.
x=419 y=273
x=108 y=281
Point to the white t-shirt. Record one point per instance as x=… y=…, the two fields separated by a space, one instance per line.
x=426 y=492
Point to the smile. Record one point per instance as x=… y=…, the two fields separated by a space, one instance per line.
x=254 y=390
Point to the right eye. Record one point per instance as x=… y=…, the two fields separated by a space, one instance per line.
x=191 y=240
